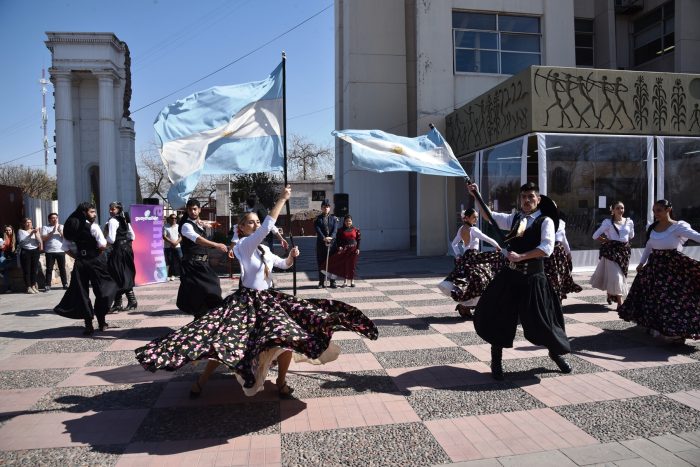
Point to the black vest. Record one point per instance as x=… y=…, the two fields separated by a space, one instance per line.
x=86 y=242
x=188 y=246
x=122 y=230
x=531 y=238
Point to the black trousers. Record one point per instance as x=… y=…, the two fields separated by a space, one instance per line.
x=29 y=260
x=60 y=259
x=172 y=259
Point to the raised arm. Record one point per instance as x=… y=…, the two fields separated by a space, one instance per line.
x=482 y=236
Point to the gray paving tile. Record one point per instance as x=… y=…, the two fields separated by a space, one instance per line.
x=537 y=459
x=309 y=385
x=431 y=302
x=389 y=326
x=666 y=379
x=596 y=299
x=692 y=457
x=544 y=367
x=607 y=340
x=352 y=346
x=62 y=457
x=672 y=443
x=23 y=379
x=147 y=333
x=599 y=453
x=67 y=346
x=114 y=358
x=406 y=444
x=692 y=437
x=631 y=418
x=653 y=453
x=100 y=398
x=424 y=357
x=465 y=338
x=471 y=400
x=224 y=421
x=377 y=313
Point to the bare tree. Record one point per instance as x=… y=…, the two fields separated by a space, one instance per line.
x=308 y=160
x=33 y=182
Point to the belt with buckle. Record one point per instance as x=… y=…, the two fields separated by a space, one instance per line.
x=527 y=268
x=88 y=253
x=197 y=257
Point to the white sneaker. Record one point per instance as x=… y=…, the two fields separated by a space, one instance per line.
x=30 y=290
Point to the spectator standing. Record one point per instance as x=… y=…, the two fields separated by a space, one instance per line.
x=52 y=237
x=171 y=246
x=30 y=246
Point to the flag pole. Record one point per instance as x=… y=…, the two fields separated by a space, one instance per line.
x=284 y=144
x=484 y=207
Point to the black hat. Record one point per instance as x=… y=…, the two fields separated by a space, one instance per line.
x=325 y=202
x=549 y=208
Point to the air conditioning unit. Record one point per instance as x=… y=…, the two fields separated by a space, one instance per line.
x=628 y=6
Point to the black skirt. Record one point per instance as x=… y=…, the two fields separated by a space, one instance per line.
x=121 y=266
x=87 y=272
x=200 y=290
x=557 y=268
x=248 y=323
x=513 y=296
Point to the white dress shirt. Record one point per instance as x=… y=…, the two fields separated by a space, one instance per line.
x=560 y=236
x=96 y=233
x=546 y=245
x=672 y=238
x=474 y=236
x=112 y=226
x=173 y=233
x=252 y=266
x=188 y=231
x=54 y=244
x=626 y=230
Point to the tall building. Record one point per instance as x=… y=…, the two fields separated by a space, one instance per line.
x=403 y=64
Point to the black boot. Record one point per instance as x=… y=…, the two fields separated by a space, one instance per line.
x=497 y=363
x=131 y=302
x=561 y=363
x=117 y=305
x=89 y=330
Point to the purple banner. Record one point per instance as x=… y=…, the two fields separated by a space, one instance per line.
x=147 y=222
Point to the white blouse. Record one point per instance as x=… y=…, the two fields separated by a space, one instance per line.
x=672 y=238
x=547 y=233
x=252 y=267
x=27 y=241
x=606 y=227
x=474 y=236
x=560 y=236
x=112 y=226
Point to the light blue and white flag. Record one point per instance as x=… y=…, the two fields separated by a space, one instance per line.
x=222 y=130
x=378 y=151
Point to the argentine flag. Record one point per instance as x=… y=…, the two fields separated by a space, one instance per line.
x=222 y=130
x=378 y=151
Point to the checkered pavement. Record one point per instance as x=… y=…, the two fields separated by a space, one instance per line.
x=419 y=395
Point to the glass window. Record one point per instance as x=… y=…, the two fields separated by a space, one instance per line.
x=682 y=157
x=654 y=34
x=584 y=172
x=318 y=195
x=500 y=178
x=583 y=39
x=492 y=43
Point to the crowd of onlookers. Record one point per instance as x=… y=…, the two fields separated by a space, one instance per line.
x=23 y=248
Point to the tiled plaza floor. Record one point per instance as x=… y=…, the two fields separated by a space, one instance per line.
x=419 y=395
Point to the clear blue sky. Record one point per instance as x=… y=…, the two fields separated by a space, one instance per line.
x=172 y=43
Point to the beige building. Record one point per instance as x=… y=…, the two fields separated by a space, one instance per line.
x=402 y=64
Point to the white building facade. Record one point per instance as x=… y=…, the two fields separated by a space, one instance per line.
x=95 y=139
x=403 y=64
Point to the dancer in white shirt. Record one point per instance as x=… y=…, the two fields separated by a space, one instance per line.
x=614 y=234
x=665 y=295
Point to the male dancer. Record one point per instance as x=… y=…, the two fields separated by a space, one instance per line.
x=326 y=226
x=85 y=242
x=521 y=291
x=199 y=289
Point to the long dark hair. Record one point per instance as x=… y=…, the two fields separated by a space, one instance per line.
x=121 y=215
x=666 y=204
x=612 y=215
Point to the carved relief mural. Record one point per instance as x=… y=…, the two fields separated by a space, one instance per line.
x=576 y=100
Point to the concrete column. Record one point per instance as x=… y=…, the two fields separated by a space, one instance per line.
x=65 y=153
x=107 y=137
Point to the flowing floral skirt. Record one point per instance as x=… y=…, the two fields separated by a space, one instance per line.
x=250 y=329
x=665 y=295
x=472 y=274
x=557 y=268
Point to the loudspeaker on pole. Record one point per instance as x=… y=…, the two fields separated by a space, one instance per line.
x=341 y=204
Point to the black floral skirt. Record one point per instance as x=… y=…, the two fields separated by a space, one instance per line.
x=665 y=295
x=473 y=272
x=250 y=323
x=557 y=268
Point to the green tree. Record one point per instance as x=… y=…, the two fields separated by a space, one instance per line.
x=264 y=185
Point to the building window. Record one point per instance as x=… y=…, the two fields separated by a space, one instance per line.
x=318 y=195
x=583 y=33
x=494 y=43
x=654 y=34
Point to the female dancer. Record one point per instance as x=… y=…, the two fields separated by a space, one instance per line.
x=29 y=248
x=342 y=264
x=121 y=256
x=257 y=325
x=558 y=266
x=614 y=234
x=473 y=270
x=665 y=295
